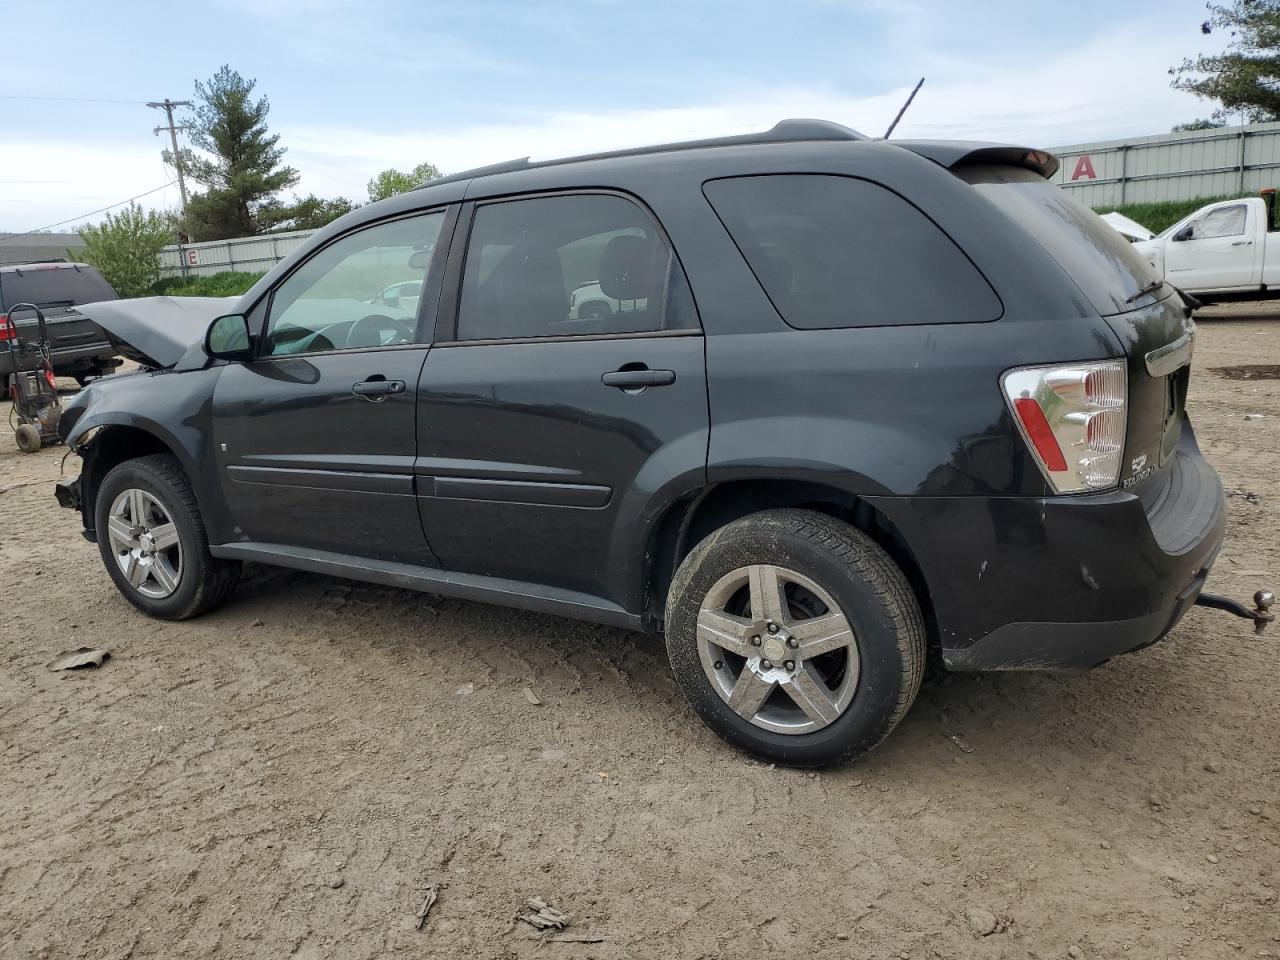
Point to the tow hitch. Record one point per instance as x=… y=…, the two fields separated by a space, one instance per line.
x=1261 y=613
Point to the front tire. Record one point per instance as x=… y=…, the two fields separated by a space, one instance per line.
x=153 y=541
x=795 y=637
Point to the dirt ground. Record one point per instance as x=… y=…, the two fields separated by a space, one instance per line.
x=288 y=775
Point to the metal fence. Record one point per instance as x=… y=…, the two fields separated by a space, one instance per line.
x=244 y=254
x=1172 y=166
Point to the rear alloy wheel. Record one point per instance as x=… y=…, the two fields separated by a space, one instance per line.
x=788 y=637
x=795 y=637
x=153 y=540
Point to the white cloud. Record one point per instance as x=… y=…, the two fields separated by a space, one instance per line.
x=1112 y=87
x=43 y=181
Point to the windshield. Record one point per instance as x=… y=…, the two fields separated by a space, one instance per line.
x=62 y=286
x=1101 y=262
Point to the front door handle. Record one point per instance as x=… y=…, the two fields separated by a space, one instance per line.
x=1242 y=243
x=638 y=379
x=377 y=388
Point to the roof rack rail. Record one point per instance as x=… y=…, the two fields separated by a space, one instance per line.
x=23 y=263
x=784 y=131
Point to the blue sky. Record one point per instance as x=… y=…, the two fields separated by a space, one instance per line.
x=359 y=86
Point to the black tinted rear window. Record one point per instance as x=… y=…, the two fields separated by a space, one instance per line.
x=1101 y=262
x=53 y=287
x=835 y=251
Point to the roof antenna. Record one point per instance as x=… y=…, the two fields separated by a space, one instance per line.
x=904 y=109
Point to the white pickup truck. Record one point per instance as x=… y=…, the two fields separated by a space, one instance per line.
x=1223 y=251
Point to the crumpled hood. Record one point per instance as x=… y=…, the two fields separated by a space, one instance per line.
x=157 y=331
x=1130 y=229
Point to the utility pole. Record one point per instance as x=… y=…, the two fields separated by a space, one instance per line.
x=167 y=106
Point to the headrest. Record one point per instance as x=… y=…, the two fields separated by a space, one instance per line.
x=630 y=269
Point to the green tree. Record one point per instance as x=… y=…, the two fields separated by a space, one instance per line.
x=1245 y=79
x=304 y=213
x=240 y=163
x=391 y=183
x=1198 y=125
x=125 y=248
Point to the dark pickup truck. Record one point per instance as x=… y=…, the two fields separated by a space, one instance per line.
x=78 y=346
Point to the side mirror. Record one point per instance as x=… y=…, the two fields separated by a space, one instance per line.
x=228 y=338
x=1184 y=234
x=420 y=259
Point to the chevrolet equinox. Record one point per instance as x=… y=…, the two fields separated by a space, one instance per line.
x=836 y=402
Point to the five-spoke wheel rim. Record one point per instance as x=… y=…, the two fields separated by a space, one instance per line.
x=778 y=649
x=145 y=543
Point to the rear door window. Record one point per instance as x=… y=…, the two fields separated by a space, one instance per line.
x=834 y=251
x=568 y=266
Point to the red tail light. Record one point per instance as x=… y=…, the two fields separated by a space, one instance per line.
x=1040 y=434
x=1073 y=417
x=6 y=327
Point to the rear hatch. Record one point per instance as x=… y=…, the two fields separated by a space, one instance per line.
x=1150 y=319
x=57 y=289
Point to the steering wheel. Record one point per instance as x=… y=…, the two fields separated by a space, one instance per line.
x=379 y=330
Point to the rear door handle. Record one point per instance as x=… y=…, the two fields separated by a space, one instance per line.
x=638 y=379
x=375 y=389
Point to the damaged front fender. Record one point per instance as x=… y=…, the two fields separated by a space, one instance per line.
x=127 y=416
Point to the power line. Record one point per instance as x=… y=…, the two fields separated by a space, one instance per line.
x=27 y=233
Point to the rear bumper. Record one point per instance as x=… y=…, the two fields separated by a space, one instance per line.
x=1065 y=582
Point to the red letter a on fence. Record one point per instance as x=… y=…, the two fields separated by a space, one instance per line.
x=1084 y=168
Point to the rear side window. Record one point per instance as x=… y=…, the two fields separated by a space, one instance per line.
x=834 y=251
x=1102 y=263
x=53 y=286
x=571 y=265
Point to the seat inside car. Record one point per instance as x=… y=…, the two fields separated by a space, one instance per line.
x=632 y=270
x=522 y=297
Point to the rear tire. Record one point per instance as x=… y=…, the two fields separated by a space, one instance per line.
x=27 y=437
x=153 y=541
x=821 y=676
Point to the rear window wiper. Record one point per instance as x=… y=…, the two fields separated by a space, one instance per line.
x=1151 y=287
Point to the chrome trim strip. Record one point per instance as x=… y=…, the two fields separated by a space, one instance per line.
x=1172 y=356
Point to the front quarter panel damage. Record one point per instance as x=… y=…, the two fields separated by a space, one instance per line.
x=130 y=415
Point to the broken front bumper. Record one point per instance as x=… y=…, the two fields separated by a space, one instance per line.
x=68 y=493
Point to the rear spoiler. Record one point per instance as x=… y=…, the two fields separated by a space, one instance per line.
x=955 y=153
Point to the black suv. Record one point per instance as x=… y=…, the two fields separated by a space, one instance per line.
x=849 y=400
x=78 y=347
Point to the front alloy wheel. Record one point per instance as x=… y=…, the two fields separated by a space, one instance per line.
x=145 y=543
x=153 y=541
